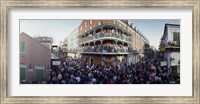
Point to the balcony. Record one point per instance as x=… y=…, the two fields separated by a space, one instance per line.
x=102 y=36
x=169 y=44
x=71 y=50
x=106 y=50
x=105 y=53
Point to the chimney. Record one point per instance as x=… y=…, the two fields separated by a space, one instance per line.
x=125 y=21
x=138 y=30
x=135 y=28
x=131 y=25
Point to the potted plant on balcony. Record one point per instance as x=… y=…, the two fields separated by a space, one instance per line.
x=162 y=45
x=171 y=44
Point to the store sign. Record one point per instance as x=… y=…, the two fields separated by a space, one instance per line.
x=163 y=63
x=56 y=62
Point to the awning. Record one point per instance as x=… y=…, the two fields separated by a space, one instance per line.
x=54 y=56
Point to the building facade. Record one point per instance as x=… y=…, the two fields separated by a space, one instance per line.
x=170 y=46
x=110 y=42
x=35 y=59
x=70 y=43
x=64 y=45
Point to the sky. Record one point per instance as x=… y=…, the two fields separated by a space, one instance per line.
x=59 y=29
x=153 y=29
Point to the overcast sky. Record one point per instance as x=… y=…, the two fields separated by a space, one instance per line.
x=59 y=29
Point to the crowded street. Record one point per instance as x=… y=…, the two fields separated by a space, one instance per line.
x=102 y=52
x=74 y=71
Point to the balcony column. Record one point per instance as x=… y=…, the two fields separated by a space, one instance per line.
x=101 y=51
x=115 y=45
x=84 y=46
x=94 y=46
x=123 y=52
x=94 y=51
x=101 y=31
x=101 y=42
x=116 y=42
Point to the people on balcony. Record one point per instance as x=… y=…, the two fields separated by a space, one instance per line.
x=103 y=48
x=106 y=33
x=72 y=49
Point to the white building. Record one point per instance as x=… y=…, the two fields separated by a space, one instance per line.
x=71 y=42
x=170 y=44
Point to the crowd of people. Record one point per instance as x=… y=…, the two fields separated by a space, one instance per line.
x=147 y=71
x=76 y=71
x=104 y=48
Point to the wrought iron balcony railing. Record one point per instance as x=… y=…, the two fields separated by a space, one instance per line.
x=102 y=35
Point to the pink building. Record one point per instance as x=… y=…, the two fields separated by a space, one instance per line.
x=35 y=59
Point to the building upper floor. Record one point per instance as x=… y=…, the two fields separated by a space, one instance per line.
x=114 y=29
x=71 y=41
x=32 y=50
x=171 y=36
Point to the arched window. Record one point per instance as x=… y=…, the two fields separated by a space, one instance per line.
x=86 y=24
x=91 y=21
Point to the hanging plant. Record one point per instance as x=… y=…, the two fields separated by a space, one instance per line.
x=171 y=44
x=163 y=43
x=162 y=48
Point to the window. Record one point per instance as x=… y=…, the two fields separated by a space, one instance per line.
x=22 y=47
x=98 y=23
x=81 y=28
x=22 y=72
x=176 y=37
x=113 y=21
x=90 y=21
x=86 y=24
x=39 y=73
x=91 y=27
